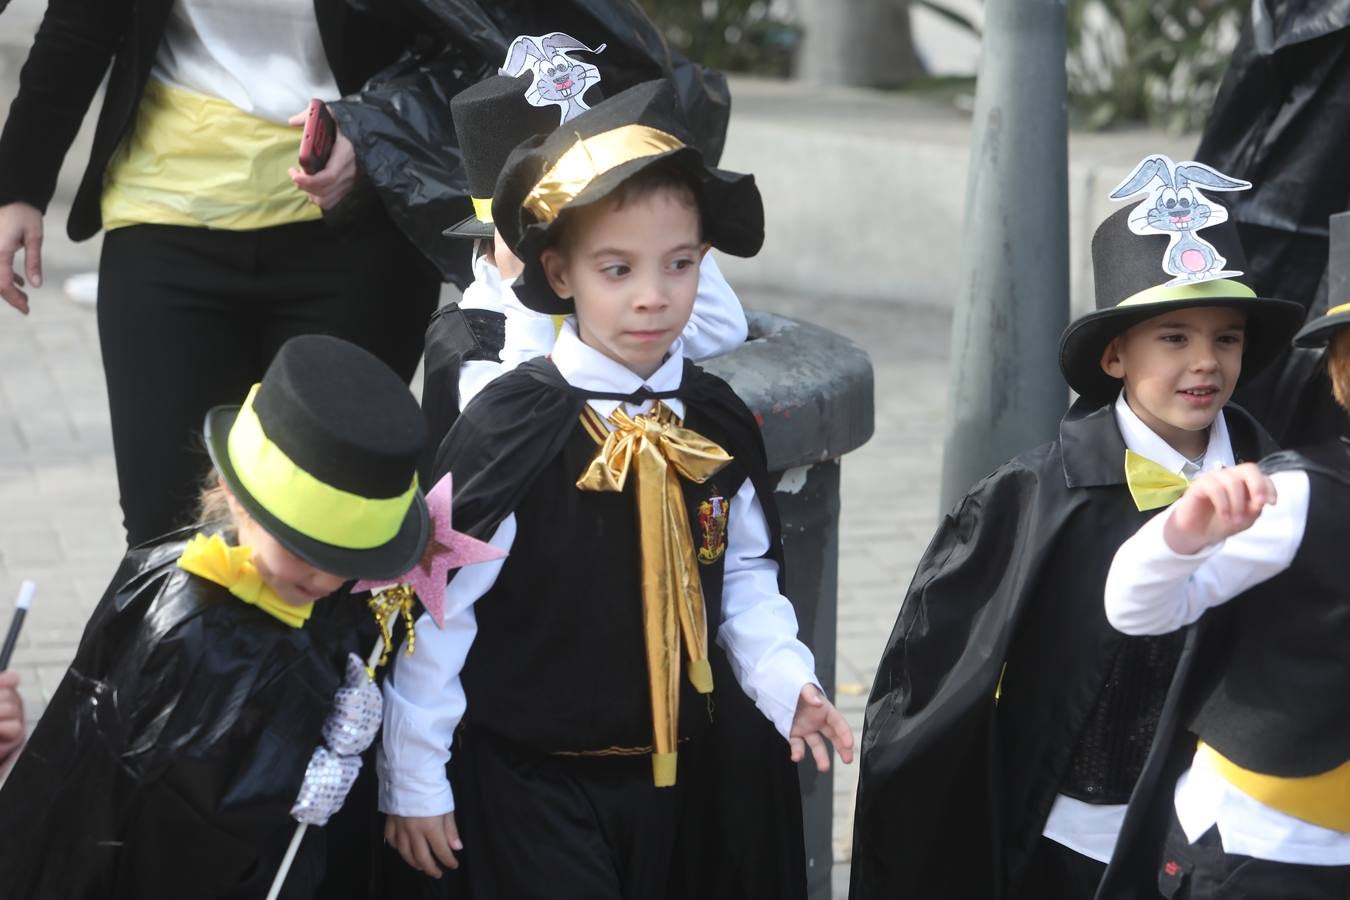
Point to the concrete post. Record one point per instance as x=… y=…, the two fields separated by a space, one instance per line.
x=1006 y=393
x=811 y=390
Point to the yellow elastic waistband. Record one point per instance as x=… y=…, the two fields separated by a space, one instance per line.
x=1320 y=799
x=200 y=161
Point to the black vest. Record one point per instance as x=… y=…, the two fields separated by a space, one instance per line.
x=559 y=662
x=1280 y=705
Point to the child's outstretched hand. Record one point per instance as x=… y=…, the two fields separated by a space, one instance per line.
x=1217 y=505
x=11 y=716
x=815 y=721
x=424 y=841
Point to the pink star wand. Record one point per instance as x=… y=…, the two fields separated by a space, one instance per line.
x=447 y=549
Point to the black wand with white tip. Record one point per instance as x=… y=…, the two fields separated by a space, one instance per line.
x=26 y=592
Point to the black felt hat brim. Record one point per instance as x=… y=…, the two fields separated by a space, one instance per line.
x=1270 y=324
x=472 y=227
x=389 y=560
x=730 y=208
x=1320 y=332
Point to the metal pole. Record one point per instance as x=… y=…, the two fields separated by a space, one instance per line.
x=1006 y=394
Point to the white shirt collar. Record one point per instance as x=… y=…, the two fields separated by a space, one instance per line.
x=1145 y=441
x=585 y=367
x=485 y=291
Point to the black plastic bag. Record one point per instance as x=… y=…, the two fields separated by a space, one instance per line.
x=1282 y=121
x=400 y=126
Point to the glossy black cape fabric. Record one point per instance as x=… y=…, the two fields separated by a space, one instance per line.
x=744 y=834
x=954 y=788
x=1282 y=121
x=173 y=749
x=400 y=125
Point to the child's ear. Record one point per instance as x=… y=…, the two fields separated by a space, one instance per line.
x=555 y=270
x=1112 y=364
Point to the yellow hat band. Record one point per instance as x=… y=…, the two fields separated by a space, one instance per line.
x=303 y=502
x=1203 y=290
x=482 y=209
x=588 y=159
x=1344 y=307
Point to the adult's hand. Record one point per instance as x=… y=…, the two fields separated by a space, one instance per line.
x=334 y=181
x=20 y=229
x=425 y=842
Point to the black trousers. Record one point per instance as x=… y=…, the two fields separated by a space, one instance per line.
x=189 y=318
x=540 y=827
x=1055 y=872
x=1203 y=871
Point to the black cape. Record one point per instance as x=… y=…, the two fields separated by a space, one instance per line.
x=173 y=749
x=745 y=836
x=954 y=787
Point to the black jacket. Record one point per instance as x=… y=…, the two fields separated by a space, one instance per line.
x=71 y=52
x=954 y=785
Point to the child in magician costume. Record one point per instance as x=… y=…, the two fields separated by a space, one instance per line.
x=1009 y=723
x=219 y=693
x=601 y=685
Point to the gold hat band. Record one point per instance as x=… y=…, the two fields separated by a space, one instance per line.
x=303 y=502
x=588 y=159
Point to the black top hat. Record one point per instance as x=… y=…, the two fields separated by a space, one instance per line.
x=1319 y=332
x=590 y=156
x=491 y=118
x=1132 y=286
x=323 y=455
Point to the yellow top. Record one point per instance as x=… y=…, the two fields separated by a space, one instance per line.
x=199 y=161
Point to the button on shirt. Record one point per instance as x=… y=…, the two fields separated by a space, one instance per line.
x=424 y=699
x=1088 y=828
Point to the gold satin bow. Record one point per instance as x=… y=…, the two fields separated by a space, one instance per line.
x=1151 y=485
x=664 y=452
x=232 y=568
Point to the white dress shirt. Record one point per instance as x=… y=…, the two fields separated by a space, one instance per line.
x=1088 y=828
x=424 y=699
x=716 y=326
x=1153 y=590
x=265 y=57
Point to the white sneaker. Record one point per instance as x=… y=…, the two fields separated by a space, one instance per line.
x=82 y=288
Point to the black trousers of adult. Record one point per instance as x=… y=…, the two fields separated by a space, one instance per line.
x=189 y=318
x=1203 y=871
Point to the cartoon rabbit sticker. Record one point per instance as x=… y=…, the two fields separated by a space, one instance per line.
x=1175 y=207
x=560 y=80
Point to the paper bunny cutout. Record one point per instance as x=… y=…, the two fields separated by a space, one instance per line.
x=560 y=80
x=1176 y=207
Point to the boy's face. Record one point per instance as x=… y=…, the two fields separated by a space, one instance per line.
x=1179 y=370
x=632 y=271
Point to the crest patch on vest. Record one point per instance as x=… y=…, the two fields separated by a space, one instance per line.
x=712 y=522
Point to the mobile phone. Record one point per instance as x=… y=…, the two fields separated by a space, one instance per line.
x=316 y=141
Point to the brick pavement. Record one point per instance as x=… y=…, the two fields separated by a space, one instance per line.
x=60 y=526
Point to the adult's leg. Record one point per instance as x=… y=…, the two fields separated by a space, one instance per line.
x=174 y=343
x=370 y=287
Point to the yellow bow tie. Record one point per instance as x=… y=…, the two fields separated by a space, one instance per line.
x=664 y=452
x=232 y=568
x=1151 y=486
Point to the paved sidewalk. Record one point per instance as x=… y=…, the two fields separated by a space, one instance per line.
x=61 y=526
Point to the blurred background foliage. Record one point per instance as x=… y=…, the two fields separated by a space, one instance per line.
x=1158 y=62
